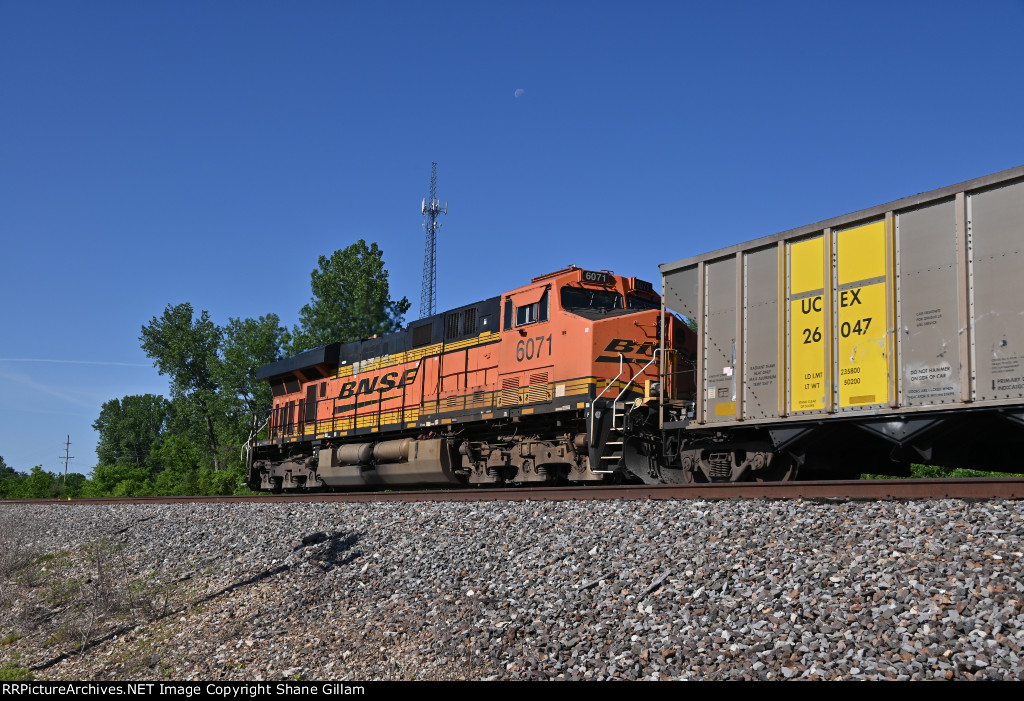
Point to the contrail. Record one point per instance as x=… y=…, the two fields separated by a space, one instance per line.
x=73 y=362
x=46 y=389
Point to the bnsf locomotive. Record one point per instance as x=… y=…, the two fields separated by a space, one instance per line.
x=535 y=385
x=863 y=343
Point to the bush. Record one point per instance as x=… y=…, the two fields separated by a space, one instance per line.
x=18 y=550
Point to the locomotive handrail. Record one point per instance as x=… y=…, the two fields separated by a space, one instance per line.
x=252 y=434
x=590 y=437
x=638 y=373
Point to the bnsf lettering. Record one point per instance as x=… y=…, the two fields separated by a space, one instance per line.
x=369 y=385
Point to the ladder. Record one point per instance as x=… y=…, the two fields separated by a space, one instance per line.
x=612 y=458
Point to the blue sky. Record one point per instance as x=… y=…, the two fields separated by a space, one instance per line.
x=163 y=152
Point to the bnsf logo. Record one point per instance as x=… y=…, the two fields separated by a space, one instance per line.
x=625 y=346
x=369 y=385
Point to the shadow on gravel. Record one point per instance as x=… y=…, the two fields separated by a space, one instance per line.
x=327 y=551
x=337 y=552
x=93 y=643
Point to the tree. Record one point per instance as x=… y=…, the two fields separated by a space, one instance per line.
x=130 y=429
x=186 y=349
x=351 y=300
x=248 y=344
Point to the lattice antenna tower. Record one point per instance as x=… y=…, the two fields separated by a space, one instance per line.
x=431 y=209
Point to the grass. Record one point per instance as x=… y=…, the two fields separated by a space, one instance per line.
x=11 y=673
x=11 y=638
x=936 y=472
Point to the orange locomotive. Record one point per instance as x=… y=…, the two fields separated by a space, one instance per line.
x=536 y=385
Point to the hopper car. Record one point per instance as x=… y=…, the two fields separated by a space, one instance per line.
x=862 y=343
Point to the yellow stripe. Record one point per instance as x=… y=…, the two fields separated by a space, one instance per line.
x=415 y=354
x=395 y=418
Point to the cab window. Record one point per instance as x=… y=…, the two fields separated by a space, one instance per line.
x=532 y=313
x=586 y=298
x=636 y=302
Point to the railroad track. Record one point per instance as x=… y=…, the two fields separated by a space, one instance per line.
x=986 y=488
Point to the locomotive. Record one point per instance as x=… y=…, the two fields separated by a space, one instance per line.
x=862 y=343
x=544 y=384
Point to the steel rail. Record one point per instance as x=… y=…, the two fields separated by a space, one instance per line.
x=852 y=490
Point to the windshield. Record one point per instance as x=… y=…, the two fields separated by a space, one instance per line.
x=585 y=298
x=635 y=302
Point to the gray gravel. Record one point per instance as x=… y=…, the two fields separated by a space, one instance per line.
x=532 y=590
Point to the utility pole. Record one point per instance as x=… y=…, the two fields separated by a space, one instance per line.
x=431 y=209
x=67 y=449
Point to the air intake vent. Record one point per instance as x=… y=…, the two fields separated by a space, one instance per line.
x=451 y=326
x=509 y=391
x=538 y=391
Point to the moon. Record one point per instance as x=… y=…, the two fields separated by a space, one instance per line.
x=518 y=92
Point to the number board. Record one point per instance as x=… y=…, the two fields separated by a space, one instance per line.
x=808 y=326
x=597 y=278
x=861 y=315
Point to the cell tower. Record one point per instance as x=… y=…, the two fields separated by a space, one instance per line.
x=431 y=208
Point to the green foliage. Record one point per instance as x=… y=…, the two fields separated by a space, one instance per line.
x=40 y=484
x=247 y=345
x=6 y=471
x=191 y=443
x=186 y=349
x=221 y=481
x=351 y=300
x=937 y=472
x=73 y=485
x=12 y=673
x=182 y=460
x=183 y=348
x=130 y=429
x=118 y=481
x=37 y=484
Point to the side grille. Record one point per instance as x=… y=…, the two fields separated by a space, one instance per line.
x=451 y=326
x=538 y=391
x=509 y=391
